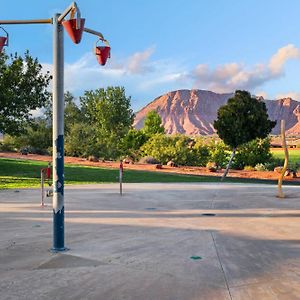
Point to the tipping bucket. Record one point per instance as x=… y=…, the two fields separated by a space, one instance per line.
x=74 y=33
x=3 y=40
x=102 y=53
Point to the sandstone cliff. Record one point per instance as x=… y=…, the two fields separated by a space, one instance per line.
x=193 y=111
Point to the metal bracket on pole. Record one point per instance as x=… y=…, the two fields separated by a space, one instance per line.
x=71 y=9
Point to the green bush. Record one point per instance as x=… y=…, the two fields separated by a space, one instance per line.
x=149 y=160
x=249 y=168
x=179 y=148
x=7 y=144
x=260 y=167
x=132 y=142
x=273 y=163
x=159 y=146
x=212 y=166
x=219 y=153
x=253 y=153
x=201 y=153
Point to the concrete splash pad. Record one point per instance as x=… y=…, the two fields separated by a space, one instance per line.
x=157 y=241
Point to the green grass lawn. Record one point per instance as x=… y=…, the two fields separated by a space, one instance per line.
x=294 y=156
x=26 y=173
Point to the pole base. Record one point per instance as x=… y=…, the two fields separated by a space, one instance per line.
x=58 y=250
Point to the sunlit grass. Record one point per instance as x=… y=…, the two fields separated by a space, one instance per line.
x=26 y=174
x=294 y=155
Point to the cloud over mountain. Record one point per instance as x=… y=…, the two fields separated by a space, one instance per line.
x=232 y=76
x=144 y=77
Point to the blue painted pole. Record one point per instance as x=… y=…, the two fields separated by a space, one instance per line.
x=58 y=136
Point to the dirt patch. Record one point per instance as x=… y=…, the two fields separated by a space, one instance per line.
x=270 y=175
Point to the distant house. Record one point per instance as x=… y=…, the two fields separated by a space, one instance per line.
x=290 y=144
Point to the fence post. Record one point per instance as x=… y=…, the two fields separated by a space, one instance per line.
x=42 y=188
x=121 y=177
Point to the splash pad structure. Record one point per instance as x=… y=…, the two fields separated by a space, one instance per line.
x=75 y=26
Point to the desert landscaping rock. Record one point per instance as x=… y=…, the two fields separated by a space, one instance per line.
x=121 y=248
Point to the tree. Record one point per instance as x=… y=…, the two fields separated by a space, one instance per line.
x=80 y=140
x=36 y=137
x=72 y=113
x=133 y=141
x=153 y=123
x=22 y=89
x=241 y=120
x=109 y=112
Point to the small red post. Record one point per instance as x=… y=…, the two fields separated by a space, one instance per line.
x=49 y=170
x=42 y=187
x=121 y=177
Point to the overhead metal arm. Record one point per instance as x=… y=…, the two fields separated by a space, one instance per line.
x=97 y=33
x=37 y=21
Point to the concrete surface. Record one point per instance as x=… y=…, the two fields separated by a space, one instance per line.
x=139 y=246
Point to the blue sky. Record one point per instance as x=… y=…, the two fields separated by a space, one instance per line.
x=159 y=46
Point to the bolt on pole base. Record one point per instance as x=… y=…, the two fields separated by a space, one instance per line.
x=52 y=250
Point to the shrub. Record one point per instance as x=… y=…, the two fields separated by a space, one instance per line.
x=132 y=143
x=275 y=162
x=260 y=167
x=219 y=153
x=253 y=153
x=211 y=166
x=201 y=153
x=149 y=160
x=249 y=168
x=7 y=144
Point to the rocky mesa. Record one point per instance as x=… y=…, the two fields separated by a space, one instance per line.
x=193 y=112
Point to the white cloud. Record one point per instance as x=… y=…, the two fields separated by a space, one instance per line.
x=284 y=54
x=232 y=76
x=145 y=78
x=137 y=63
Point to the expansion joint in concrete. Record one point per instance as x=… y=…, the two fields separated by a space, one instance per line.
x=220 y=262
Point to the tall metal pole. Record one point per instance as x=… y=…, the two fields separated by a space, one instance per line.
x=58 y=136
x=58 y=116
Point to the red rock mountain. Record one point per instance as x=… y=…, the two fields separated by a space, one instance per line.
x=192 y=112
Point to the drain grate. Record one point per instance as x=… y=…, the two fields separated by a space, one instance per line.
x=195 y=257
x=208 y=214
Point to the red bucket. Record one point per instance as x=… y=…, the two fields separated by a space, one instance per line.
x=102 y=53
x=3 y=40
x=74 y=33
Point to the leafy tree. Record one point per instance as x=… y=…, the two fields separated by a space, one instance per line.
x=72 y=113
x=109 y=112
x=241 y=120
x=133 y=141
x=36 y=137
x=80 y=141
x=153 y=123
x=22 y=89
